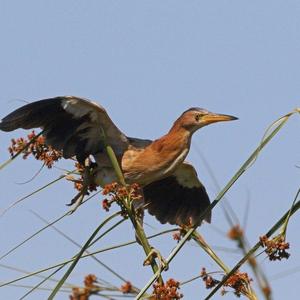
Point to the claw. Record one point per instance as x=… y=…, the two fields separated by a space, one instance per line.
x=76 y=201
x=87 y=179
x=154 y=253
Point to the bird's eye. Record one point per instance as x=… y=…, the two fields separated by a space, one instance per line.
x=197 y=117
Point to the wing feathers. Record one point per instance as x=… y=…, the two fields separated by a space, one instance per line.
x=32 y=115
x=178 y=199
x=71 y=124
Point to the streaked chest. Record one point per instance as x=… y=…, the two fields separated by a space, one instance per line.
x=153 y=163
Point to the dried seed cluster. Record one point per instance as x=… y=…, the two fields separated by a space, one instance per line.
x=126 y=288
x=46 y=153
x=209 y=281
x=37 y=148
x=235 y=233
x=239 y=282
x=276 y=247
x=90 y=288
x=167 y=291
x=118 y=193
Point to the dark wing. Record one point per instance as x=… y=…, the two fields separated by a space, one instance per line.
x=178 y=199
x=71 y=124
x=139 y=143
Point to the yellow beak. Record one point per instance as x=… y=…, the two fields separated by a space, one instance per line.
x=213 y=118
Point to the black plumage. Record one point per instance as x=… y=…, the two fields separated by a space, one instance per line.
x=171 y=202
x=76 y=126
x=76 y=135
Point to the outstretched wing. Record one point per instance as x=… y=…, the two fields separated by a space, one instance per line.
x=178 y=199
x=69 y=123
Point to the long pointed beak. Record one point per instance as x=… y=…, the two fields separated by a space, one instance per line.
x=213 y=118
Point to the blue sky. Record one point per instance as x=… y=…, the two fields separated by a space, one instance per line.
x=146 y=62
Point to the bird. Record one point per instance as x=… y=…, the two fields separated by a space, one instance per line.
x=171 y=189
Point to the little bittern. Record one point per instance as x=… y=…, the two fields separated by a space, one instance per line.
x=171 y=189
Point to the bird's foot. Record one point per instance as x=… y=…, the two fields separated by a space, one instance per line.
x=87 y=179
x=154 y=253
x=76 y=201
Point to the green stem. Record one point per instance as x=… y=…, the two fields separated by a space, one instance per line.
x=41 y=282
x=285 y=225
x=4 y=211
x=200 y=241
x=38 y=276
x=80 y=246
x=41 y=230
x=254 y=248
x=79 y=255
x=261 y=278
x=137 y=226
x=198 y=238
x=83 y=256
x=115 y=164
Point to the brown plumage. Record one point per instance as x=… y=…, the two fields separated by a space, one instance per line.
x=172 y=190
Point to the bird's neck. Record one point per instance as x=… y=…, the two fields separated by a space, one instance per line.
x=178 y=129
x=171 y=149
x=178 y=138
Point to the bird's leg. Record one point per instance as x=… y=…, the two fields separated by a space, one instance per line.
x=77 y=200
x=87 y=179
x=154 y=253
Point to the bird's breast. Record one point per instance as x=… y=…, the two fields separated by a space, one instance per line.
x=149 y=165
x=174 y=163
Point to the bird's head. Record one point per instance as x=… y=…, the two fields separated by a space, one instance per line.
x=195 y=118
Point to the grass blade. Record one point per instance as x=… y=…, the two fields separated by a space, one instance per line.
x=78 y=256
x=83 y=256
x=41 y=230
